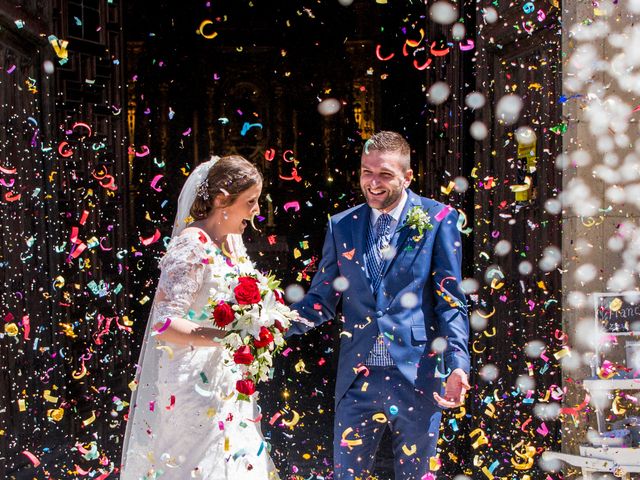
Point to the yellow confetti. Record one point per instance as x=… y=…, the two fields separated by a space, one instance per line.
x=527 y=455
x=563 y=352
x=477 y=349
x=461 y=413
x=89 y=420
x=408 y=451
x=365 y=385
x=616 y=408
x=489 y=315
x=486 y=471
x=447 y=190
x=200 y=30
x=11 y=329
x=50 y=398
x=482 y=438
x=294 y=419
x=77 y=375
x=490 y=411
x=60 y=47
x=347 y=442
x=166 y=348
x=22 y=405
x=55 y=414
x=379 y=417
x=434 y=463
x=615 y=305
x=296 y=253
x=493 y=332
x=301 y=367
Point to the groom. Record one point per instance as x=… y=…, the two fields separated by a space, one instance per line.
x=395 y=262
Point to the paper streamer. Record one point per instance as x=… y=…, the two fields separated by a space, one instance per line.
x=32 y=458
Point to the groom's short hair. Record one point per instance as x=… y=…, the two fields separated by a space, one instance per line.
x=388 y=141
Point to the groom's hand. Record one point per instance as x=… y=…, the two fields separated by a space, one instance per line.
x=455 y=389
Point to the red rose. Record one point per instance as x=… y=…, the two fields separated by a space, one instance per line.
x=222 y=315
x=266 y=337
x=246 y=387
x=243 y=355
x=279 y=297
x=247 y=291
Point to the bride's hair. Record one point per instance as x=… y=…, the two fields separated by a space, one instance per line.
x=230 y=176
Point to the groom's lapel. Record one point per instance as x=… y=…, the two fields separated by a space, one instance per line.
x=402 y=233
x=359 y=233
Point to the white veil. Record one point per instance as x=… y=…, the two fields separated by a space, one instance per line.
x=140 y=415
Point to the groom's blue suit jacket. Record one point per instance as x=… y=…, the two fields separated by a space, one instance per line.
x=427 y=269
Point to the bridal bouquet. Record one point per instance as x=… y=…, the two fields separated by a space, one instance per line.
x=250 y=307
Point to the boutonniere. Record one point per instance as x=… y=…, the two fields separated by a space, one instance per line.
x=419 y=221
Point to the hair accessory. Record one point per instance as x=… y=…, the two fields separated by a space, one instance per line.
x=203 y=189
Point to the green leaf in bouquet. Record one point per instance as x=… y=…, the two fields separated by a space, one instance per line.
x=272 y=282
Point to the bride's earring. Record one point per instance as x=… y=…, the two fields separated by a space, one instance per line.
x=224 y=215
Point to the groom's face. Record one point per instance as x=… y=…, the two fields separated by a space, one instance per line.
x=383 y=177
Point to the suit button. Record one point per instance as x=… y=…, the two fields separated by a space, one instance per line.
x=379 y=313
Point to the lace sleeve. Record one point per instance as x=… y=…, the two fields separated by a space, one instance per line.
x=182 y=275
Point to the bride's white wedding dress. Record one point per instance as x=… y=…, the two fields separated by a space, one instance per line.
x=191 y=424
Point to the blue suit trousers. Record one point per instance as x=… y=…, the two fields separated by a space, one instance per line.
x=414 y=424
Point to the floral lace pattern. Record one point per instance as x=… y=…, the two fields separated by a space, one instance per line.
x=182 y=276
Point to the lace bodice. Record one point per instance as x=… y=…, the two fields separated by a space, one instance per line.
x=192 y=271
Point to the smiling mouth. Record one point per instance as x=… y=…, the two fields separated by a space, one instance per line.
x=376 y=193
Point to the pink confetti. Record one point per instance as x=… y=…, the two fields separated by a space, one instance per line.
x=155 y=181
x=469 y=45
x=154 y=238
x=295 y=205
x=543 y=430
x=443 y=213
x=31 y=457
x=165 y=326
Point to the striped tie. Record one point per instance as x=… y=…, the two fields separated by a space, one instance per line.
x=377 y=240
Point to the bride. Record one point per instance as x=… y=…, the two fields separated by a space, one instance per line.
x=185 y=421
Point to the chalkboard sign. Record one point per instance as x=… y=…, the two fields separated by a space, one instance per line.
x=617 y=312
